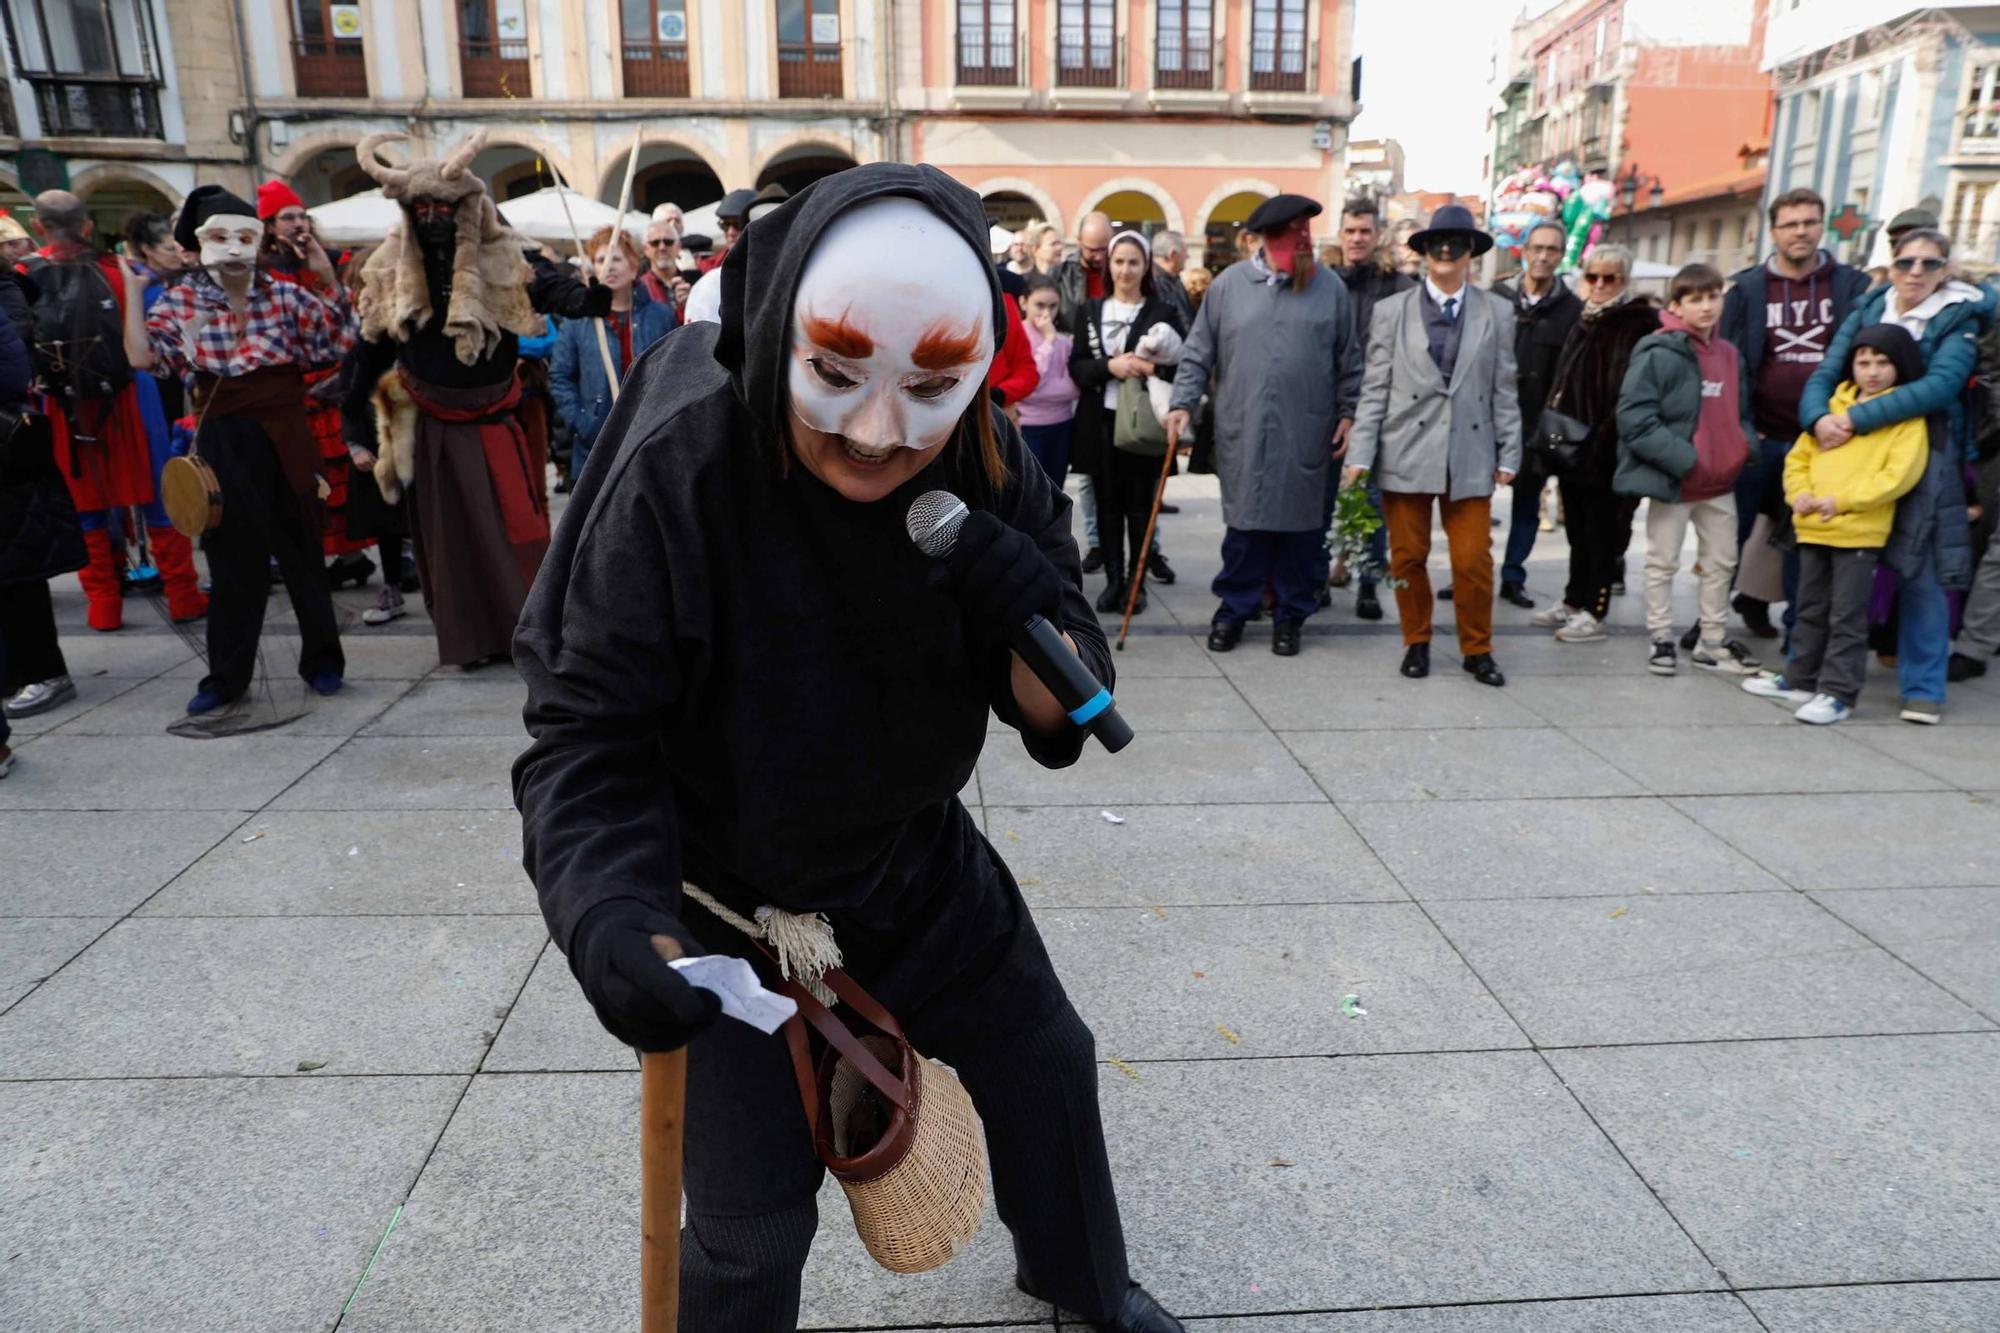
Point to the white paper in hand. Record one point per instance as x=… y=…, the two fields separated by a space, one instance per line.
x=734 y=982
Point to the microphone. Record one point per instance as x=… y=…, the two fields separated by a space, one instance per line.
x=933 y=522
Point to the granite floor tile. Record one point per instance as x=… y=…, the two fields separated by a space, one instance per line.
x=350 y=863
x=1171 y=654
x=1962 y=755
x=92 y=693
x=31 y=947
x=128 y=655
x=1873 y=1159
x=1932 y=1307
x=1253 y=1187
x=1166 y=768
x=1554 y=848
x=1454 y=765
x=1578 y=971
x=1187 y=854
x=1226 y=982
x=1691 y=699
x=1296 y=701
x=119 y=773
x=399 y=654
x=412 y=773
x=1883 y=840
x=1952 y=936
x=154 y=705
x=537 y=1178
x=1750 y=761
x=552 y=1028
x=453 y=704
x=362 y=995
x=1631 y=1314
x=1184 y=703
x=89 y=863
x=225 y=1205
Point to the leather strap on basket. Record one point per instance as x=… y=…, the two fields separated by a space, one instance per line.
x=897 y=1090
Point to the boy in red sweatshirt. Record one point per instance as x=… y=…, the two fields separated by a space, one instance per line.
x=1683 y=436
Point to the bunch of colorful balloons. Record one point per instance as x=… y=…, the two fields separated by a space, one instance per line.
x=1533 y=195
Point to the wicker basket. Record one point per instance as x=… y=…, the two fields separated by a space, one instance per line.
x=918 y=1189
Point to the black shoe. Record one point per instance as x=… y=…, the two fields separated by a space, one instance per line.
x=1444 y=594
x=1513 y=592
x=1224 y=635
x=1325 y=596
x=1756 y=615
x=1169 y=509
x=343 y=572
x=1417 y=661
x=1112 y=600
x=562 y=486
x=1481 y=667
x=1285 y=638
x=1093 y=560
x=1366 y=607
x=1691 y=638
x=1140 y=1313
x=1158 y=570
x=1963 y=667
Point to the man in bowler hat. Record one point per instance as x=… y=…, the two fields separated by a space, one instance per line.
x=1438 y=425
x=1277 y=332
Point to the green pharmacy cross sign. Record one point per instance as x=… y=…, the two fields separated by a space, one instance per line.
x=1848 y=222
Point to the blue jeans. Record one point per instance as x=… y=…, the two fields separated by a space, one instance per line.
x=1522 y=526
x=1760 y=488
x=1050 y=446
x=1282 y=561
x=1923 y=634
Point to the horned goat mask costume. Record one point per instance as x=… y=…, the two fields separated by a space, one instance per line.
x=489 y=271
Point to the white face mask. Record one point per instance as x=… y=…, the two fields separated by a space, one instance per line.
x=892 y=329
x=229 y=241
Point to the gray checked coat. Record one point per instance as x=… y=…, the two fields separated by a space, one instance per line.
x=1420 y=435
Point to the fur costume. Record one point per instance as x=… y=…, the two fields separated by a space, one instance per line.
x=395 y=437
x=490 y=273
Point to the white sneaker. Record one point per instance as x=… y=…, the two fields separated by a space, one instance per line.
x=1554 y=617
x=1729 y=659
x=1773 y=686
x=1582 y=627
x=1823 y=710
x=388 y=606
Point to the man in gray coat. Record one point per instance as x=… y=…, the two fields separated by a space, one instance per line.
x=1438 y=424
x=1278 y=333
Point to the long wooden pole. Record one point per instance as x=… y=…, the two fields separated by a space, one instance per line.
x=662 y=1108
x=576 y=239
x=624 y=203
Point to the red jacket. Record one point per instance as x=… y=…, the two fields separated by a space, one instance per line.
x=1013 y=374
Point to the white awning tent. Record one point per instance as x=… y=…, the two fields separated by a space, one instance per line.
x=540 y=216
x=360 y=219
x=365 y=218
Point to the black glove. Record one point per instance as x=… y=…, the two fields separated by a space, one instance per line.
x=600 y=301
x=1002 y=578
x=639 y=999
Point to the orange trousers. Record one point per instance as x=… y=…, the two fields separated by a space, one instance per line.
x=1468 y=533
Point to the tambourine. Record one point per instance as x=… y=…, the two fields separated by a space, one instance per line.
x=192 y=495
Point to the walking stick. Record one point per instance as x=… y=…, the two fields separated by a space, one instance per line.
x=603 y=342
x=662 y=1104
x=1146 y=542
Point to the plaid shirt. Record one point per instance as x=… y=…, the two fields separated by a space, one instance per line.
x=192 y=328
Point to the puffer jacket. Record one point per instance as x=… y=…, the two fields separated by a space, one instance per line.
x=1931 y=521
x=39 y=537
x=1659 y=406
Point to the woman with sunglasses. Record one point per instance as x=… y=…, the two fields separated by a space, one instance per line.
x=1589 y=370
x=1930 y=549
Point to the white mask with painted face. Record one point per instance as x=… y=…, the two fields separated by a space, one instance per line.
x=229 y=240
x=892 y=329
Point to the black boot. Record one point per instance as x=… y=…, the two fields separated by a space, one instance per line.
x=1112 y=599
x=1224 y=635
x=1417 y=661
x=1285 y=638
x=1756 y=613
x=1093 y=560
x=1367 y=606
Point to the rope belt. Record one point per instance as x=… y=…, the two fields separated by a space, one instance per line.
x=803 y=942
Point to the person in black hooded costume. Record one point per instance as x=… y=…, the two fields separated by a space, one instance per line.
x=743 y=676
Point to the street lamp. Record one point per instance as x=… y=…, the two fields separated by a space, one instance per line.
x=1628 y=193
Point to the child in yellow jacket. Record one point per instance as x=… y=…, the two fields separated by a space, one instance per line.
x=1843 y=501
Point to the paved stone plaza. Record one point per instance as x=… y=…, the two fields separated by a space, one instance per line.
x=1679 y=1017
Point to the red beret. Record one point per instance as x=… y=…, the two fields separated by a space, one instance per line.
x=274 y=197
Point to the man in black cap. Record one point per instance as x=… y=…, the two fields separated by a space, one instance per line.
x=244 y=343
x=1439 y=425
x=1278 y=334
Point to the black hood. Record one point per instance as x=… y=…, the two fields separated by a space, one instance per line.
x=760 y=279
x=1893 y=341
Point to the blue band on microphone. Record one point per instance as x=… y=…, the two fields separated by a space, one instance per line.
x=1091 y=707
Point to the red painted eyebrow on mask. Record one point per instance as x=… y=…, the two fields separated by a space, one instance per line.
x=943 y=347
x=839 y=336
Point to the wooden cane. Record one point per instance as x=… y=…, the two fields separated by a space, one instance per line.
x=1146 y=542
x=662 y=1107
x=576 y=238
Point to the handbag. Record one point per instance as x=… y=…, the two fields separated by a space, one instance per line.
x=1558 y=445
x=1137 y=429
